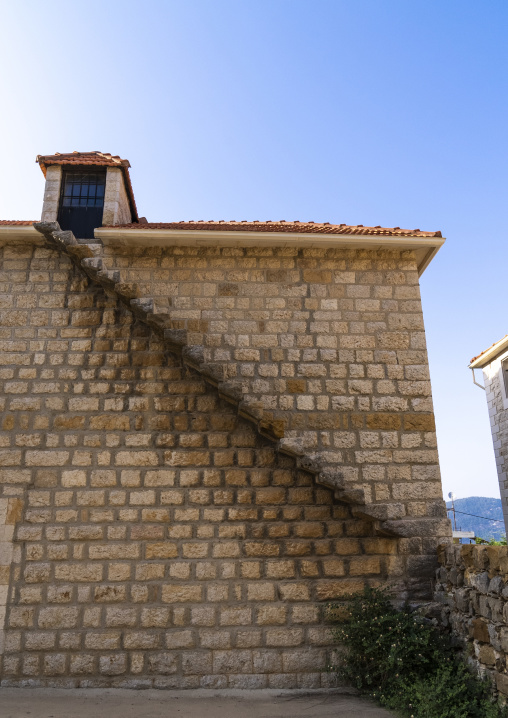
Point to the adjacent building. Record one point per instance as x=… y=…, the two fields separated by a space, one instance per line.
x=494 y=363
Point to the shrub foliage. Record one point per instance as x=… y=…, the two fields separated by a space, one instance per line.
x=405 y=663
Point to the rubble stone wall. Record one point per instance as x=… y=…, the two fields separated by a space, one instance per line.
x=472 y=590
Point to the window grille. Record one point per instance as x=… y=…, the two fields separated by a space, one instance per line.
x=83 y=189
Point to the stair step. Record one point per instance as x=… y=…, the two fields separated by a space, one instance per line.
x=332 y=478
x=158 y=320
x=351 y=496
x=252 y=410
x=127 y=290
x=177 y=337
x=194 y=355
x=80 y=251
x=380 y=512
x=92 y=266
x=141 y=306
x=108 y=277
x=272 y=428
x=410 y=527
x=213 y=372
x=305 y=463
x=66 y=237
x=231 y=391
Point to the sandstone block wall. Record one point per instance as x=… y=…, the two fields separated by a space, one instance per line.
x=52 y=193
x=330 y=342
x=472 y=589
x=116 y=203
x=156 y=537
x=159 y=539
x=315 y=335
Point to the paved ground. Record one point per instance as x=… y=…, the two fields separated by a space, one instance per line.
x=116 y=703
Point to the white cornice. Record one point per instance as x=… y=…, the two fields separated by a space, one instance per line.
x=490 y=354
x=15 y=233
x=425 y=247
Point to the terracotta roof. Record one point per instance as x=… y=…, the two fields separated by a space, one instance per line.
x=283 y=226
x=101 y=159
x=489 y=349
x=18 y=222
x=92 y=159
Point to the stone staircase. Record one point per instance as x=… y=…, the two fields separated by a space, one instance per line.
x=389 y=519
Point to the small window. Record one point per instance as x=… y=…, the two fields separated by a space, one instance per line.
x=504 y=370
x=83 y=189
x=82 y=200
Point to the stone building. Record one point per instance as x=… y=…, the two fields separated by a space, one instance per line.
x=210 y=430
x=494 y=362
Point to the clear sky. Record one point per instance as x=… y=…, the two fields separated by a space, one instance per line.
x=389 y=112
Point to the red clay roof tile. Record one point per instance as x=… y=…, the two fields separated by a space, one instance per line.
x=18 y=222
x=283 y=226
x=101 y=159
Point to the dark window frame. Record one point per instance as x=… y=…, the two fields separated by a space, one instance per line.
x=88 y=189
x=504 y=372
x=82 y=199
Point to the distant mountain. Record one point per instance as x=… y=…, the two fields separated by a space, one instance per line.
x=480 y=506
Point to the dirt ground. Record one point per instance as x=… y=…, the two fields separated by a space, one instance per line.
x=116 y=703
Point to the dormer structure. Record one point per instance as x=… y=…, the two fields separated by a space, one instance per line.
x=85 y=190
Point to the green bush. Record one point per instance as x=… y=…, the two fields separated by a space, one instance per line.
x=491 y=542
x=405 y=663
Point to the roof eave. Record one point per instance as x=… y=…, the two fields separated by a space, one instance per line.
x=10 y=233
x=426 y=248
x=490 y=354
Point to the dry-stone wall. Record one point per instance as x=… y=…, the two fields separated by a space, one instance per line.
x=163 y=541
x=472 y=590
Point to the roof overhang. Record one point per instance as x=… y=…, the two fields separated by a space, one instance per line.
x=490 y=354
x=14 y=233
x=425 y=248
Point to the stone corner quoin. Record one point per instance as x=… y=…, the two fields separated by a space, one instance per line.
x=202 y=447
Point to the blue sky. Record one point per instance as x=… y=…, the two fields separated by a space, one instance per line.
x=389 y=112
